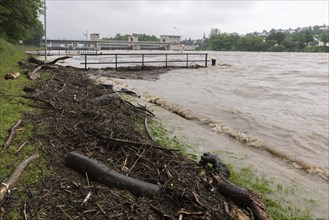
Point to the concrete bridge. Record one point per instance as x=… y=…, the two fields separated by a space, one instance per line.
x=109 y=45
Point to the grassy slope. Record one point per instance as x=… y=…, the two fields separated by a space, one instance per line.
x=12 y=108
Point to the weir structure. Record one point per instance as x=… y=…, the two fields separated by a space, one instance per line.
x=167 y=42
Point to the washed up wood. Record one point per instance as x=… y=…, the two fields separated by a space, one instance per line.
x=217 y=164
x=103 y=174
x=242 y=197
x=148 y=130
x=12 y=75
x=108 y=99
x=34 y=75
x=58 y=59
x=140 y=108
x=11 y=135
x=12 y=180
x=127 y=91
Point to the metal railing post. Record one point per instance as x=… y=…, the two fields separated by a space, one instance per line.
x=206 y=62
x=142 y=61
x=166 y=60
x=85 y=61
x=116 y=61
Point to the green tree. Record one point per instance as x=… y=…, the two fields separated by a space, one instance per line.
x=277 y=36
x=251 y=43
x=18 y=18
x=325 y=38
x=214 y=32
x=289 y=44
x=269 y=44
x=36 y=36
x=145 y=37
x=308 y=37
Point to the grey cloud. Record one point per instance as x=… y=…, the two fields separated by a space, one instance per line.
x=69 y=19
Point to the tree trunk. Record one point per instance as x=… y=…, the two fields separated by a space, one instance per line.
x=242 y=197
x=4 y=187
x=102 y=174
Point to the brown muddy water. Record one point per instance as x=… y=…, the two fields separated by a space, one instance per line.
x=277 y=102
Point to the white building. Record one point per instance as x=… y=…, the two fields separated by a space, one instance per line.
x=173 y=39
x=94 y=37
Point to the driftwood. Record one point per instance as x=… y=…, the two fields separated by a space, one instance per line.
x=5 y=187
x=140 y=108
x=242 y=197
x=116 y=141
x=148 y=130
x=42 y=65
x=103 y=174
x=33 y=75
x=11 y=135
x=127 y=91
x=107 y=99
x=12 y=75
x=58 y=59
x=216 y=163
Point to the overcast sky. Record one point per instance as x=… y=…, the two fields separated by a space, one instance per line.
x=69 y=19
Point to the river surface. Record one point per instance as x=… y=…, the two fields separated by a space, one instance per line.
x=277 y=102
x=274 y=101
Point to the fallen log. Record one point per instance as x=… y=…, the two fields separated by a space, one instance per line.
x=12 y=180
x=128 y=92
x=148 y=130
x=107 y=99
x=33 y=75
x=12 y=75
x=141 y=109
x=11 y=135
x=58 y=59
x=116 y=141
x=242 y=197
x=103 y=174
x=216 y=163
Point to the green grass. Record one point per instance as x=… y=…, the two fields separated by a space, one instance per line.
x=273 y=194
x=168 y=139
x=12 y=107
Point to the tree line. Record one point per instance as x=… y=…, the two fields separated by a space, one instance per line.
x=307 y=39
x=19 y=20
x=141 y=37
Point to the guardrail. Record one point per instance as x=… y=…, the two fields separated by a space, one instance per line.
x=187 y=58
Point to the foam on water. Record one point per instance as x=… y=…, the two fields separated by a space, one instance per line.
x=274 y=101
x=242 y=137
x=231 y=132
x=277 y=102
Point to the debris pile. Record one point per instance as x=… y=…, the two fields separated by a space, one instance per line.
x=86 y=129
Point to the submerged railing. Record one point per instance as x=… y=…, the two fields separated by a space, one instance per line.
x=140 y=58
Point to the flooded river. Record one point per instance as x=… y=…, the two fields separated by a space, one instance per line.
x=274 y=101
x=277 y=102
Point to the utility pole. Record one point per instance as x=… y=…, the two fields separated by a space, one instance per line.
x=45 y=21
x=86 y=35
